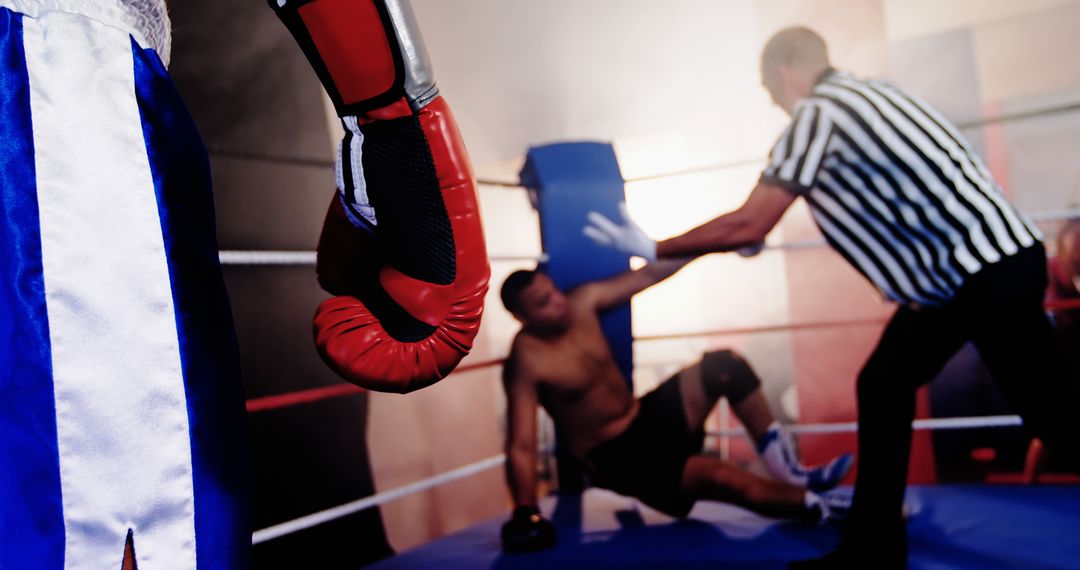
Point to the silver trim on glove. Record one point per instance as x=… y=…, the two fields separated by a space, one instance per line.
x=420 y=88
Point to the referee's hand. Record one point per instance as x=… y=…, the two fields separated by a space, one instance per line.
x=626 y=237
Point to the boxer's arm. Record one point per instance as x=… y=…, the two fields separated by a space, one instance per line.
x=521 y=402
x=602 y=295
x=746 y=226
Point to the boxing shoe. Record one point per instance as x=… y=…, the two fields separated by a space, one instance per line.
x=778 y=452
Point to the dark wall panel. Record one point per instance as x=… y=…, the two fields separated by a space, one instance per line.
x=247 y=83
x=259 y=108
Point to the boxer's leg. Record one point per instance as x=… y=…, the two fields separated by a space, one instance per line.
x=724 y=374
x=126 y=413
x=209 y=358
x=711 y=478
x=32 y=526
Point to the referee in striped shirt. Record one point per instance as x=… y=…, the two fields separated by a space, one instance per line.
x=901 y=195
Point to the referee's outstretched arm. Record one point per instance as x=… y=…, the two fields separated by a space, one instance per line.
x=745 y=226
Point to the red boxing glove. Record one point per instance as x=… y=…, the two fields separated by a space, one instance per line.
x=402 y=246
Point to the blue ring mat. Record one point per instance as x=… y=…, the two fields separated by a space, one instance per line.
x=950 y=527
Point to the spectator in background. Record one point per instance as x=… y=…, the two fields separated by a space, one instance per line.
x=1064 y=269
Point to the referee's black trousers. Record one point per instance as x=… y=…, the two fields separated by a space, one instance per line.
x=1000 y=310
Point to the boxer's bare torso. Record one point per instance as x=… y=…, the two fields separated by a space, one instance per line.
x=577 y=380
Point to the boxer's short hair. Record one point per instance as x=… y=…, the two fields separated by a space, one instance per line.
x=512 y=287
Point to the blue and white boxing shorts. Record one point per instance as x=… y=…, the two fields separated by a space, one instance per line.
x=120 y=400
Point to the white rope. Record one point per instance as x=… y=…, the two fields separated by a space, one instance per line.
x=1047 y=216
x=340 y=511
x=270 y=257
x=797 y=245
x=542 y=258
x=1055 y=215
x=247 y=257
x=918 y=425
x=377 y=499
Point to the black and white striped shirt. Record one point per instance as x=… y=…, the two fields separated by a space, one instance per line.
x=896 y=189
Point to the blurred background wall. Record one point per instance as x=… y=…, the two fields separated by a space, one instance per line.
x=675 y=86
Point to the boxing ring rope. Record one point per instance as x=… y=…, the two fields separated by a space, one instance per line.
x=468 y=470
x=305 y=257
x=935 y=424
x=289 y=399
x=333 y=513
x=327 y=515
x=1052 y=306
x=1059 y=305
x=308 y=258
x=307 y=396
x=715 y=167
x=1021 y=115
x=311 y=395
x=1063 y=305
x=322 y=393
x=1040 y=217
x=294 y=257
x=266 y=257
x=322 y=163
x=762 y=329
